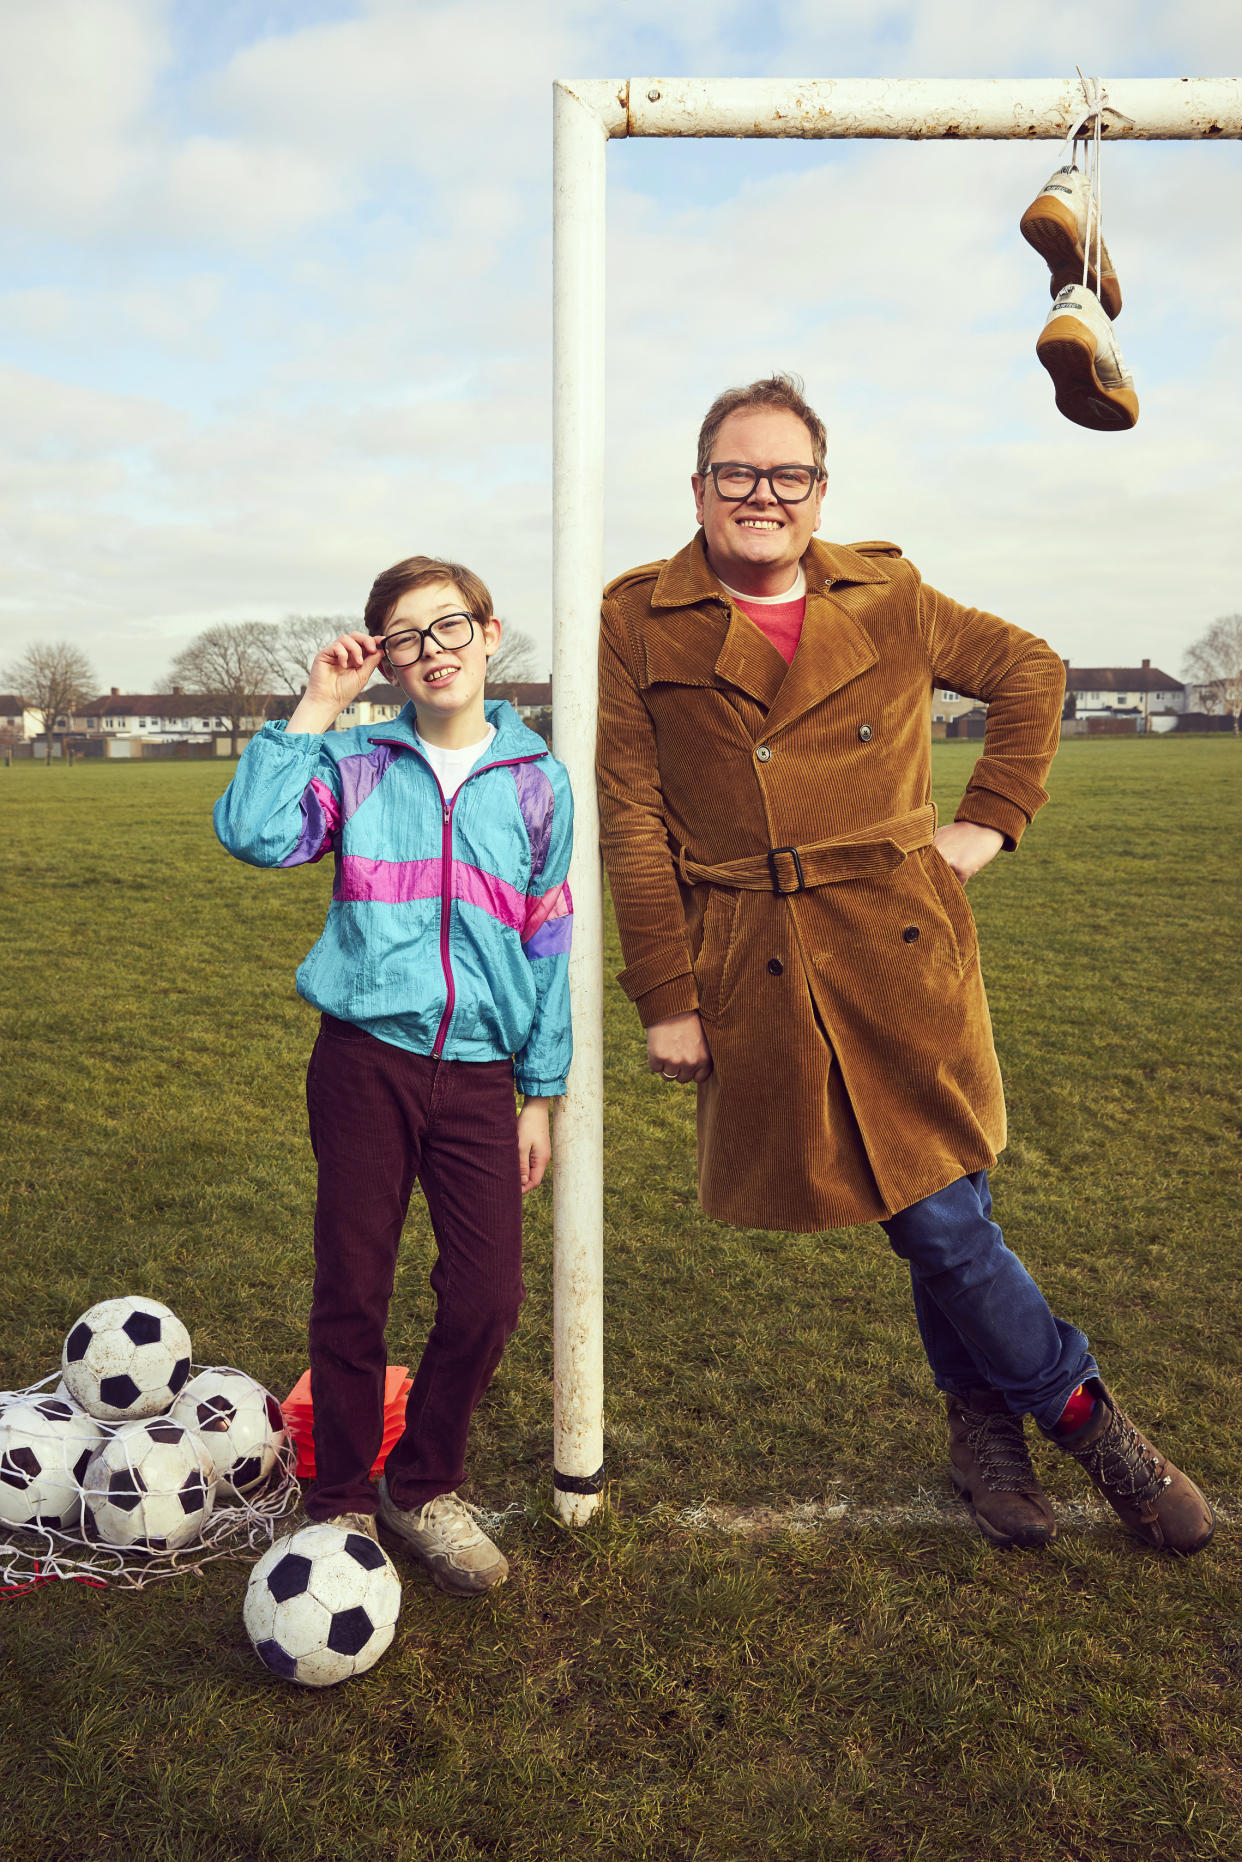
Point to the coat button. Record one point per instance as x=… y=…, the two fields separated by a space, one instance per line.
x=763 y=754
x=910 y=935
x=775 y=966
x=865 y=733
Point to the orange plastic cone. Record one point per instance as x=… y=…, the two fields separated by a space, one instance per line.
x=299 y=1417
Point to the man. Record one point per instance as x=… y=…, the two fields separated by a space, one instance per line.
x=798 y=942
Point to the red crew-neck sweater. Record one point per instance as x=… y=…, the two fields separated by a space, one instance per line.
x=781 y=621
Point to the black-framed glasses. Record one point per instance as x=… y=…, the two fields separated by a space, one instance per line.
x=791 y=484
x=450 y=632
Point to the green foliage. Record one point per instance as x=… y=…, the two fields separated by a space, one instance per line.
x=883 y=1686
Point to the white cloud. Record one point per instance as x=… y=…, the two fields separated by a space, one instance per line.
x=75 y=79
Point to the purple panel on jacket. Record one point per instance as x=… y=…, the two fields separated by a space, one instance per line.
x=535 y=800
x=321 y=816
x=360 y=774
x=552 y=939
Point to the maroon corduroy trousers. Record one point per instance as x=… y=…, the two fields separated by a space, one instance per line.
x=380 y=1117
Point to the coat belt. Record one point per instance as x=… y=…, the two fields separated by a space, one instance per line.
x=782 y=870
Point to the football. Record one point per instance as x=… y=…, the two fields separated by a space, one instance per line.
x=149 y=1488
x=126 y=1358
x=45 y=1445
x=242 y=1426
x=322 y=1605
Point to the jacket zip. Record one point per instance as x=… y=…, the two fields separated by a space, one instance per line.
x=446 y=870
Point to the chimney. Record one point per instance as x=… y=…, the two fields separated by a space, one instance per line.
x=1146 y=665
x=116 y=692
x=176 y=691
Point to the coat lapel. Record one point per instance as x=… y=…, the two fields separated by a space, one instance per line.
x=833 y=649
x=699 y=638
x=690 y=609
x=749 y=661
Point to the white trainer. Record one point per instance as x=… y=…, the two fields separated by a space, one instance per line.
x=1056 y=225
x=1080 y=351
x=446 y=1536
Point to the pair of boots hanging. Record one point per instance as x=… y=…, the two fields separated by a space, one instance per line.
x=1078 y=345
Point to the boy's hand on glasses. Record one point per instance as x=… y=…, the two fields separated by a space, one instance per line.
x=337 y=674
x=341 y=670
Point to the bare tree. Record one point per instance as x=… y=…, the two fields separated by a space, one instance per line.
x=514 y=659
x=52 y=680
x=232 y=665
x=298 y=638
x=1214 y=662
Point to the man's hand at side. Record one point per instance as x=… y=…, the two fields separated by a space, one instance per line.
x=677 y=1049
x=966 y=847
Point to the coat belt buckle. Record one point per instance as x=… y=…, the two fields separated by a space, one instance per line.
x=783 y=892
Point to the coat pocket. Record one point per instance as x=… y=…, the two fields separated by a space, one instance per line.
x=712 y=944
x=951 y=896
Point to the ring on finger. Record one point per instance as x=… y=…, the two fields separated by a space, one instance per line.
x=667 y=1076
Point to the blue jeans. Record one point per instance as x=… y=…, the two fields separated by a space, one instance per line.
x=984 y=1322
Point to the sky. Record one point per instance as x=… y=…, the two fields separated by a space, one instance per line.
x=275 y=311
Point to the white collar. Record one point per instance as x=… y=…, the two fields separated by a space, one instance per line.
x=770 y=601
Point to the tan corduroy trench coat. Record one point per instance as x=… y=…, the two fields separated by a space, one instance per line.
x=854 y=1071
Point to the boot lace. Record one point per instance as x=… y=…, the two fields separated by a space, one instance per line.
x=1123 y=1466
x=999 y=1446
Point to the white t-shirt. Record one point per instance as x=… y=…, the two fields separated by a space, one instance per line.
x=453 y=766
x=795 y=593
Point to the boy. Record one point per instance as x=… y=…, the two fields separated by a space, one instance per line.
x=441 y=973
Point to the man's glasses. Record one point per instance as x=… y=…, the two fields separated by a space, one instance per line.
x=450 y=632
x=791 y=484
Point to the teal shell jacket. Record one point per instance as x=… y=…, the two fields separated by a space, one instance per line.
x=450 y=922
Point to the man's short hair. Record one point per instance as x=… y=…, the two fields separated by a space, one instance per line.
x=423 y=572
x=784 y=391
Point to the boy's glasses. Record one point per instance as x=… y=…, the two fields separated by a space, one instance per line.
x=791 y=484
x=450 y=632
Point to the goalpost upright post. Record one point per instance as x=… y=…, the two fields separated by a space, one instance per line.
x=585 y=116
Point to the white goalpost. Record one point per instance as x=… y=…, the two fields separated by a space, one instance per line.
x=586 y=115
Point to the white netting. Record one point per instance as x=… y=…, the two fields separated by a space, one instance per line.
x=235 y=1528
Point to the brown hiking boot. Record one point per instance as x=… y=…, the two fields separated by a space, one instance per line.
x=1160 y=1505
x=993 y=1474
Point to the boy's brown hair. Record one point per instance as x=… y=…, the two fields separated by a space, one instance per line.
x=783 y=391
x=423 y=572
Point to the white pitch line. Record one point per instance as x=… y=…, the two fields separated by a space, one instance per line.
x=922 y=1509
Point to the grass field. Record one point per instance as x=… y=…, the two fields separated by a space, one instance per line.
x=881 y=1686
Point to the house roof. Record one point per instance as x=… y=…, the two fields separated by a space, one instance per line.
x=522 y=691
x=1120 y=679
x=10 y=705
x=150 y=704
x=199 y=704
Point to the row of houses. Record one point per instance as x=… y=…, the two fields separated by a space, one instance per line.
x=1149 y=698
x=128 y=723
x=137 y=723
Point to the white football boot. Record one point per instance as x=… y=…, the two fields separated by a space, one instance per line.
x=1055 y=223
x=1080 y=352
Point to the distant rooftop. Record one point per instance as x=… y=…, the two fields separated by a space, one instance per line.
x=1144 y=678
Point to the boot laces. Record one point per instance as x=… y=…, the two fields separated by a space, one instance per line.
x=999 y=1446
x=1123 y=1465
